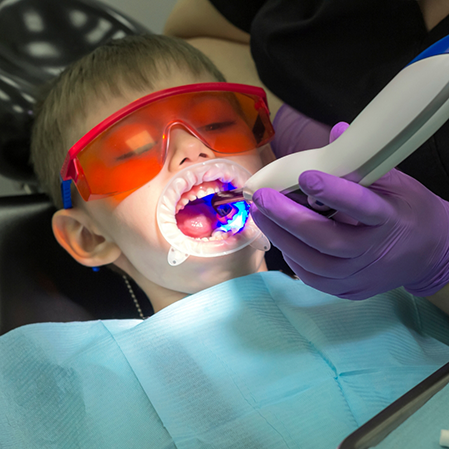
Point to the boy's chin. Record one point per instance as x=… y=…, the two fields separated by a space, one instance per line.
x=204 y=272
x=160 y=281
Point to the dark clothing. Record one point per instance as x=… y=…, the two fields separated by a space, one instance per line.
x=329 y=58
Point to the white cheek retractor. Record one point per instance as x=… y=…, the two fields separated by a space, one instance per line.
x=239 y=232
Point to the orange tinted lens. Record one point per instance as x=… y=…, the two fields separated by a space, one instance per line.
x=131 y=152
x=123 y=158
x=229 y=122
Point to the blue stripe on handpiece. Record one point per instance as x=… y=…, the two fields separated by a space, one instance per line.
x=438 y=48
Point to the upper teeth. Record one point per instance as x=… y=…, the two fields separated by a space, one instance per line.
x=182 y=186
x=201 y=193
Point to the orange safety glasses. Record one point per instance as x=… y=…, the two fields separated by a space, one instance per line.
x=129 y=148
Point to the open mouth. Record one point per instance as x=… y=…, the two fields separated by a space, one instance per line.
x=196 y=218
x=196 y=229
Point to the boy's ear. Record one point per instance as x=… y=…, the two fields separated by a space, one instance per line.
x=72 y=231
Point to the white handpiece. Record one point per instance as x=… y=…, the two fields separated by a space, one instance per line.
x=409 y=110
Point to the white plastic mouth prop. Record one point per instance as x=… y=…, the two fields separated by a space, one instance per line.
x=195 y=182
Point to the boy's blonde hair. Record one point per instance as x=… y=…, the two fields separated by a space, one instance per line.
x=133 y=63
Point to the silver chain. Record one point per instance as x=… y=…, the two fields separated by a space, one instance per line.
x=133 y=296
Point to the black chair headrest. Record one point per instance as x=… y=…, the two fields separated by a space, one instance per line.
x=39 y=38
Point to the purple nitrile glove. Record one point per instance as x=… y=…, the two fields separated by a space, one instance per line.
x=394 y=233
x=297 y=132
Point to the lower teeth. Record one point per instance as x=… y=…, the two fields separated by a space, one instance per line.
x=219 y=235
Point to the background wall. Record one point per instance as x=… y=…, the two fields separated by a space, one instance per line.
x=150 y=13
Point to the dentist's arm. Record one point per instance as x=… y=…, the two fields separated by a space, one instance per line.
x=394 y=233
x=199 y=18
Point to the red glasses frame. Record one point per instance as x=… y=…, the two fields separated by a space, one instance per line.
x=70 y=169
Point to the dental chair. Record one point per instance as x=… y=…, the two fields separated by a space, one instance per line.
x=38 y=280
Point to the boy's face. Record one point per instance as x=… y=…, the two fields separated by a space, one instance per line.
x=127 y=223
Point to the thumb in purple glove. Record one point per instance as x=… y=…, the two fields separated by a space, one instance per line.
x=401 y=237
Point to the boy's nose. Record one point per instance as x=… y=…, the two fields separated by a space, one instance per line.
x=185 y=149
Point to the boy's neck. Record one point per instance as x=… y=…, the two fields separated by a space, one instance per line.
x=161 y=301
x=161 y=297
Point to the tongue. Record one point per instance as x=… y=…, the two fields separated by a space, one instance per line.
x=197 y=221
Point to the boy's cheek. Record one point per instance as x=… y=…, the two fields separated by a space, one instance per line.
x=138 y=200
x=112 y=202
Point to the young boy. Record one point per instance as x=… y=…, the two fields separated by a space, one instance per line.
x=247 y=359
x=122 y=229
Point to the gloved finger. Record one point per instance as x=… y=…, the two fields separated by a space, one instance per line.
x=328 y=285
x=308 y=258
x=312 y=280
x=327 y=236
x=345 y=196
x=337 y=131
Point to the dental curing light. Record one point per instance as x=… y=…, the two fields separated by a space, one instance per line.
x=408 y=111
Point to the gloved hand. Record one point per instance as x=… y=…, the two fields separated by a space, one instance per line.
x=394 y=233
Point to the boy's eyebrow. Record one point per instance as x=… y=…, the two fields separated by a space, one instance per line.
x=205 y=96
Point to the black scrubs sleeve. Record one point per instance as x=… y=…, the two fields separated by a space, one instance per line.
x=240 y=13
x=328 y=58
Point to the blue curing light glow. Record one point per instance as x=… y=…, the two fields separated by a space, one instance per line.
x=238 y=220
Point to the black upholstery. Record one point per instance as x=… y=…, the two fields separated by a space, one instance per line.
x=38 y=38
x=38 y=280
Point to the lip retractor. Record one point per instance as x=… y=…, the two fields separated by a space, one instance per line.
x=236 y=233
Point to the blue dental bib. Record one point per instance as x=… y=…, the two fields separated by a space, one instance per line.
x=261 y=361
